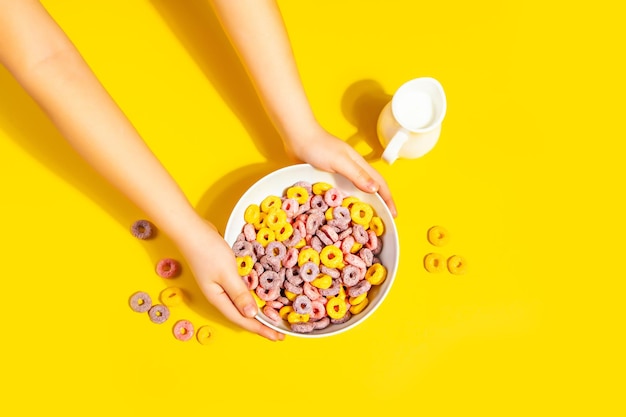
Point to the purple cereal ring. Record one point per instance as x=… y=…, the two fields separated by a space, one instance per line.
x=258 y=249
x=240 y=236
x=333 y=272
x=323 y=238
x=362 y=287
x=342 y=214
x=318 y=311
x=340 y=225
x=317 y=202
x=158 y=313
x=270 y=263
x=355 y=260
x=350 y=275
x=242 y=248
x=276 y=250
x=344 y=319
x=272 y=314
x=333 y=289
x=311 y=291
x=333 y=197
x=314 y=222
x=367 y=256
x=309 y=271
x=258 y=268
x=269 y=280
x=268 y=294
x=307 y=327
x=251 y=280
x=142 y=229
x=379 y=246
x=140 y=302
x=347 y=244
x=249 y=232
x=322 y=323
x=290 y=206
x=168 y=268
x=302 y=304
x=293 y=275
x=360 y=234
x=183 y=330
x=294 y=289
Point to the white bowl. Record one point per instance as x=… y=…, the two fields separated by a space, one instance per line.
x=276 y=183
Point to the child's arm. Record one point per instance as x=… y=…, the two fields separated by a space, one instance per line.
x=48 y=66
x=256 y=29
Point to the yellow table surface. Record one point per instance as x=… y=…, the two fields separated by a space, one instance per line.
x=527 y=176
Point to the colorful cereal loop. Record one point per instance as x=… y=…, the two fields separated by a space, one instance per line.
x=171 y=296
x=377 y=226
x=434 y=263
x=376 y=274
x=300 y=194
x=265 y=235
x=331 y=256
x=294 y=317
x=276 y=219
x=320 y=188
x=323 y=282
x=308 y=255
x=336 y=308
x=284 y=312
x=284 y=233
x=252 y=214
x=349 y=201
x=203 y=335
x=357 y=300
x=357 y=308
x=260 y=303
x=361 y=213
x=183 y=330
x=270 y=202
x=244 y=265
x=438 y=236
x=260 y=223
x=457 y=265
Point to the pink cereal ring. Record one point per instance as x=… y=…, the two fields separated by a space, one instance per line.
x=268 y=294
x=322 y=323
x=347 y=244
x=251 y=280
x=355 y=260
x=168 y=268
x=372 y=242
x=310 y=291
x=302 y=304
x=249 y=233
x=318 y=311
x=272 y=314
x=290 y=206
x=307 y=327
x=291 y=258
x=183 y=330
x=330 y=232
x=275 y=304
x=333 y=197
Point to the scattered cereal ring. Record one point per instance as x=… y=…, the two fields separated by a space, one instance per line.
x=269 y=280
x=357 y=308
x=244 y=265
x=457 y=265
x=267 y=294
x=438 y=236
x=336 y=308
x=183 y=330
x=251 y=280
x=331 y=257
x=321 y=187
x=300 y=194
x=290 y=295
x=140 y=302
x=168 y=268
x=252 y=214
x=203 y=335
x=142 y=229
x=171 y=296
x=270 y=202
x=249 y=232
x=159 y=313
x=260 y=223
x=376 y=274
x=317 y=202
x=318 y=310
x=243 y=248
x=361 y=213
x=434 y=262
x=350 y=275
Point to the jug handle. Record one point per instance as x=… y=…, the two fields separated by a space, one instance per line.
x=392 y=150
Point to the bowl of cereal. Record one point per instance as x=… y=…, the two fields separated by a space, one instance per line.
x=318 y=254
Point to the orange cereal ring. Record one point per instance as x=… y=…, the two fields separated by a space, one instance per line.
x=438 y=236
x=336 y=307
x=244 y=265
x=434 y=262
x=376 y=274
x=270 y=202
x=361 y=213
x=265 y=235
x=331 y=256
x=300 y=194
x=252 y=214
x=457 y=265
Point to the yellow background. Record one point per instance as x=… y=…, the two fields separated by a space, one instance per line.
x=528 y=176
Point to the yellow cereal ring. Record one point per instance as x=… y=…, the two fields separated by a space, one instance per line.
x=434 y=262
x=284 y=312
x=260 y=223
x=284 y=232
x=376 y=274
x=357 y=308
x=244 y=265
x=323 y=282
x=308 y=255
x=270 y=202
x=438 y=236
x=361 y=213
x=265 y=235
x=252 y=214
x=300 y=194
x=328 y=214
x=171 y=296
x=342 y=293
x=357 y=300
x=321 y=187
x=203 y=335
x=294 y=317
x=356 y=247
x=260 y=303
x=349 y=201
x=275 y=219
x=376 y=224
x=331 y=256
x=300 y=244
x=336 y=307
x=290 y=296
x=457 y=265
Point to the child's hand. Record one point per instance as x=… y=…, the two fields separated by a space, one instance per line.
x=329 y=153
x=213 y=264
